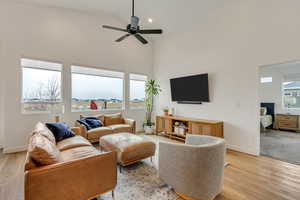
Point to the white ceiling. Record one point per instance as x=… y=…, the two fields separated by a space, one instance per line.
x=170 y=15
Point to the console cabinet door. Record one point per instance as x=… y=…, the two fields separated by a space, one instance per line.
x=201 y=129
x=163 y=125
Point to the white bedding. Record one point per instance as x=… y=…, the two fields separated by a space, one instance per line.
x=266 y=120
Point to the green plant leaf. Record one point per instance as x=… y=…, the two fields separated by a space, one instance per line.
x=152 y=89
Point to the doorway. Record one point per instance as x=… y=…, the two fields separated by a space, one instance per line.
x=279 y=97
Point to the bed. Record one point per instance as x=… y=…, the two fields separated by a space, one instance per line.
x=267 y=115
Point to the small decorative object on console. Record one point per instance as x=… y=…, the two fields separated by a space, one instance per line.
x=171 y=111
x=166 y=111
x=180 y=129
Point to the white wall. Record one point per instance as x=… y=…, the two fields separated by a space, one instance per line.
x=272 y=92
x=236 y=39
x=65 y=36
x=1 y=102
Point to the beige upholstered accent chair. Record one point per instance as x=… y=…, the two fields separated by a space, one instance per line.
x=195 y=169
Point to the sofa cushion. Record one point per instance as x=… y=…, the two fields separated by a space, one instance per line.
x=42 y=150
x=40 y=128
x=117 y=128
x=78 y=153
x=72 y=142
x=60 y=131
x=99 y=132
x=113 y=119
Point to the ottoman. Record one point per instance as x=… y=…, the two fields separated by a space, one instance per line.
x=130 y=148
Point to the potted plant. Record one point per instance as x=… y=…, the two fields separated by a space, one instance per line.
x=152 y=89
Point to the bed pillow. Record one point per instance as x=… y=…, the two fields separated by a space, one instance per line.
x=263 y=111
x=60 y=131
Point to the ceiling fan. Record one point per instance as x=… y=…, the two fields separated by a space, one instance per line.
x=134 y=29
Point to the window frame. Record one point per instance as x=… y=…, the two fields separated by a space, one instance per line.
x=22 y=102
x=97 y=68
x=129 y=91
x=266 y=79
x=291 y=95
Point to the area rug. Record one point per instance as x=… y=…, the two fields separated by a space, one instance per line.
x=140 y=181
x=281 y=145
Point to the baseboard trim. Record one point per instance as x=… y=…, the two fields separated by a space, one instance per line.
x=243 y=150
x=141 y=131
x=14 y=149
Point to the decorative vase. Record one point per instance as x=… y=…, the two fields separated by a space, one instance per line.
x=149 y=130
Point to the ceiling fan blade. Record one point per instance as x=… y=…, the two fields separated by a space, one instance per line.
x=122 y=38
x=114 y=28
x=141 y=39
x=151 y=31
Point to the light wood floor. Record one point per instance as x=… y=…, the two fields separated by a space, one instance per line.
x=246 y=178
x=12 y=176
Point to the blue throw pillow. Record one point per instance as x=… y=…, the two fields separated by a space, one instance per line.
x=83 y=122
x=91 y=122
x=60 y=131
x=94 y=123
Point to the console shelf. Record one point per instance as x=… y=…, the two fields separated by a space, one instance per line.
x=166 y=125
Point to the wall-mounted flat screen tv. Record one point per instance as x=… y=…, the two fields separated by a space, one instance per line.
x=190 y=89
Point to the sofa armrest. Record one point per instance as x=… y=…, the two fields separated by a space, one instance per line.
x=83 y=130
x=80 y=179
x=132 y=123
x=76 y=130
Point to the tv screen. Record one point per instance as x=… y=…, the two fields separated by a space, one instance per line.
x=190 y=89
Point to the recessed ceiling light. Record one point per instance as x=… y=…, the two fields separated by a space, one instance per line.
x=150 y=20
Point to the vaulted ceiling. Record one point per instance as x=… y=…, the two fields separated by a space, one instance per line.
x=170 y=15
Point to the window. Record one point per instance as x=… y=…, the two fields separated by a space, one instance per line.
x=137 y=90
x=41 y=86
x=96 y=89
x=266 y=79
x=291 y=97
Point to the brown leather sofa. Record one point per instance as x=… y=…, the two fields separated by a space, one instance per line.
x=113 y=123
x=77 y=170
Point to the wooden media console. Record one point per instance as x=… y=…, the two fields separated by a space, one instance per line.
x=166 y=125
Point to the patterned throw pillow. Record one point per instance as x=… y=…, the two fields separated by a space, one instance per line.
x=42 y=150
x=40 y=128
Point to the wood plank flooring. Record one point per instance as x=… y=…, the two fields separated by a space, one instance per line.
x=246 y=178
x=12 y=176
x=259 y=178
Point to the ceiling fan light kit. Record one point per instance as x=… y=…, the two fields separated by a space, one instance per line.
x=134 y=29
